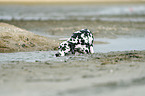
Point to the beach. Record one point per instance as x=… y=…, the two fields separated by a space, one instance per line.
x=115 y=69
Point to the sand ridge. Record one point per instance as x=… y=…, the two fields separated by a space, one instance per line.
x=14 y=39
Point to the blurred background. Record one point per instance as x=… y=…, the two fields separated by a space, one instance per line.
x=104 y=10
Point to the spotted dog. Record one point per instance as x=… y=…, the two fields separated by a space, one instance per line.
x=80 y=41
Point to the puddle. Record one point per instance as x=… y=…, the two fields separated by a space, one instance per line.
x=36 y=56
x=120 y=44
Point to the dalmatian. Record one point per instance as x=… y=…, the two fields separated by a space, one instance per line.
x=80 y=42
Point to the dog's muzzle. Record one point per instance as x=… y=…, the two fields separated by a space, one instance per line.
x=57 y=54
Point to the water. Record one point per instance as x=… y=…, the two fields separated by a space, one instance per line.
x=120 y=44
x=103 y=12
x=36 y=56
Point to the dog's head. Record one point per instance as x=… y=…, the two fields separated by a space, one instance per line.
x=63 y=49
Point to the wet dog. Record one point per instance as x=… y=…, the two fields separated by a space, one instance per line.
x=80 y=41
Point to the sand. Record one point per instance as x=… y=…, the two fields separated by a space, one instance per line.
x=99 y=74
x=14 y=39
x=100 y=29
x=115 y=73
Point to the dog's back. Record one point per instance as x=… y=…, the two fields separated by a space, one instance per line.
x=80 y=41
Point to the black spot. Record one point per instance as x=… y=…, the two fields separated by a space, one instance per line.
x=87 y=45
x=63 y=48
x=86 y=51
x=23 y=45
x=57 y=54
x=78 y=41
x=82 y=42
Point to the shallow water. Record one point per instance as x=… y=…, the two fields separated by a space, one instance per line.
x=120 y=44
x=103 y=12
x=29 y=56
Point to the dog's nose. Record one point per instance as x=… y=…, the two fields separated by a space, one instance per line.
x=57 y=55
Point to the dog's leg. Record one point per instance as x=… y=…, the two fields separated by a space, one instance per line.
x=72 y=48
x=91 y=49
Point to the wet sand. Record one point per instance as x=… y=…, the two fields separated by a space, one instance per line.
x=14 y=39
x=115 y=73
x=111 y=74
x=65 y=28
